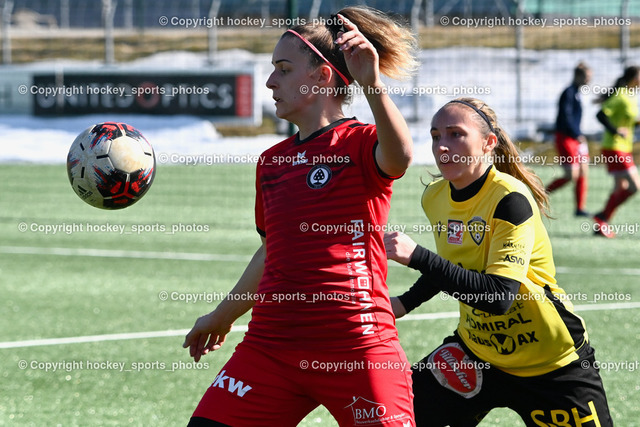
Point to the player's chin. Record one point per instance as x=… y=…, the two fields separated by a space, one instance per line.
x=279 y=109
x=445 y=168
x=282 y=112
x=449 y=171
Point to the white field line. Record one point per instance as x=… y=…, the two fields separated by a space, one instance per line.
x=190 y=256
x=243 y=328
x=112 y=253
x=107 y=337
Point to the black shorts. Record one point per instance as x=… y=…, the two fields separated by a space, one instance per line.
x=570 y=396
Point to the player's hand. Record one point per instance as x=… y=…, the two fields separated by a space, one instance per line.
x=397 y=307
x=623 y=132
x=208 y=334
x=582 y=139
x=399 y=247
x=359 y=54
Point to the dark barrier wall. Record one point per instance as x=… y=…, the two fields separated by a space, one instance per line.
x=75 y=93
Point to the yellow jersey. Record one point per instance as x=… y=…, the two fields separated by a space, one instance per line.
x=540 y=332
x=622 y=109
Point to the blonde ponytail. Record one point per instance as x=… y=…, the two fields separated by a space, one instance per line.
x=395 y=44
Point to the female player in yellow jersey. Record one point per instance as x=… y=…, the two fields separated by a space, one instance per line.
x=619 y=117
x=518 y=343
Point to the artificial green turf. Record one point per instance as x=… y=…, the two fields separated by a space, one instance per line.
x=50 y=296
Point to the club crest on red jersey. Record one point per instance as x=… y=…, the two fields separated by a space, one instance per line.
x=318 y=176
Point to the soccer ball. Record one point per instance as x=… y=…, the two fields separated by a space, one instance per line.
x=111 y=165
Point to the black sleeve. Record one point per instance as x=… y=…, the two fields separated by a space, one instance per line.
x=487 y=292
x=421 y=291
x=602 y=118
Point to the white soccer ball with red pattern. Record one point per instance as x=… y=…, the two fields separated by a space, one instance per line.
x=111 y=165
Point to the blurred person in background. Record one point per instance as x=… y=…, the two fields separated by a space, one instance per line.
x=618 y=115
x=571 y=144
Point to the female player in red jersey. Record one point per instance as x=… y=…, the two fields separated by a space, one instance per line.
x=571 y=144
x=518 y=343
x=322 y=330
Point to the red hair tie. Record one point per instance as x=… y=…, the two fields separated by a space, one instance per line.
x=313 y=48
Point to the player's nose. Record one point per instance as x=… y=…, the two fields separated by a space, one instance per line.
x=271 y=81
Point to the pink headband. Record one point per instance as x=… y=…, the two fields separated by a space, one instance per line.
x=313 y=48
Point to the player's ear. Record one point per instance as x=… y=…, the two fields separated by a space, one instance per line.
x=490 y=143
x=324 y=74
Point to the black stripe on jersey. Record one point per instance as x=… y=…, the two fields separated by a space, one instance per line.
x=261 y=232
x=319 y=132
x=356 y=124
x=514 y=208
x=571 y=321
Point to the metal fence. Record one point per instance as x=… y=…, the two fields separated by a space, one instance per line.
x=145 y=14
x=516 y=34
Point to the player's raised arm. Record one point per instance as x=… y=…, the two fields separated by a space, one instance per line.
x=373 y=46
x=210 y=331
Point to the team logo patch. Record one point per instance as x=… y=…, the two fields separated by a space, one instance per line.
x=300 y=159
x=455 y=231
x=455 y=370
x=232 y=385
x=318 y=176
x=477 y=226
x=367 y=412
x=504 y=344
